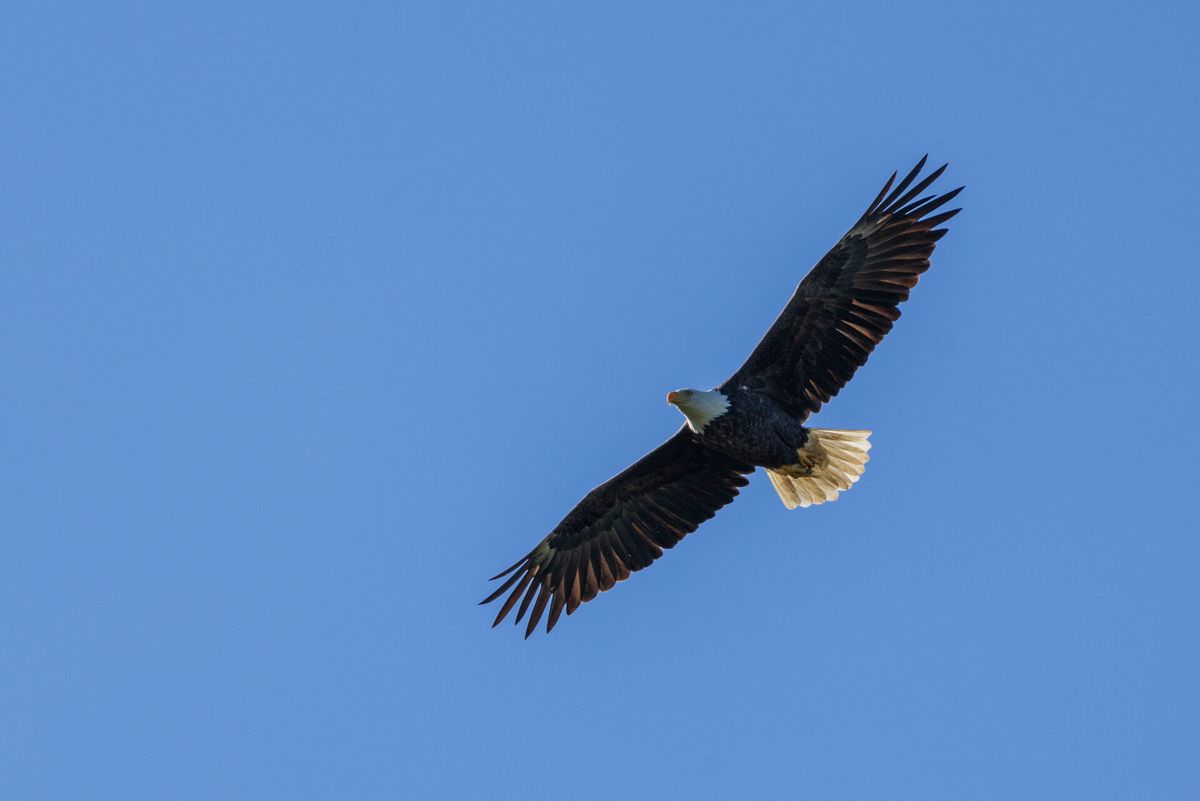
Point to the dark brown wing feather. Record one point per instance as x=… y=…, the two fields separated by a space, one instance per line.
x=847 y=303
x=620 y=527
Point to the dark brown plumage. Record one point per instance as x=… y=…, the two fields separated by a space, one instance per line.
x=838 y=314
x=847 y=303
x=620 y=527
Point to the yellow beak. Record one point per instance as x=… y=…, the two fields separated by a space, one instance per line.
x=672 y=397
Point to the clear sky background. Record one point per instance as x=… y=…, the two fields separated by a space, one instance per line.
x=315 y=317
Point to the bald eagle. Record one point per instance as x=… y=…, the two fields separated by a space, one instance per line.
x=838 y=314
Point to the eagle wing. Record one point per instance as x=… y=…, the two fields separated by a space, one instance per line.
x=847 y=303
x=620 y=527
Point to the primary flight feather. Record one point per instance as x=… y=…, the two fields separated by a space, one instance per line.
x=838 y=314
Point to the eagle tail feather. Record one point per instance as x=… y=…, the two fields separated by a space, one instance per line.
x=828 y=464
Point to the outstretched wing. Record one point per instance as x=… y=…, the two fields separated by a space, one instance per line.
x=847 y=303
x=620 y=527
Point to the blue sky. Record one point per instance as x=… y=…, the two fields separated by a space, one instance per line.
x=313 y=317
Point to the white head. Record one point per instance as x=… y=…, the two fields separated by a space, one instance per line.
x=700 y=407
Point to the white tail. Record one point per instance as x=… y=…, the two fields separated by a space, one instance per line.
x=829 y=463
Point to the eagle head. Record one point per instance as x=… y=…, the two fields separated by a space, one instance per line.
x=699 y=406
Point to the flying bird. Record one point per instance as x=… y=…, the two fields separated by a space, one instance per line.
x=838 y=314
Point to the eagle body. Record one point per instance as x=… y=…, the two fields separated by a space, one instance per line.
x=754 y=429
x=839 y=312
